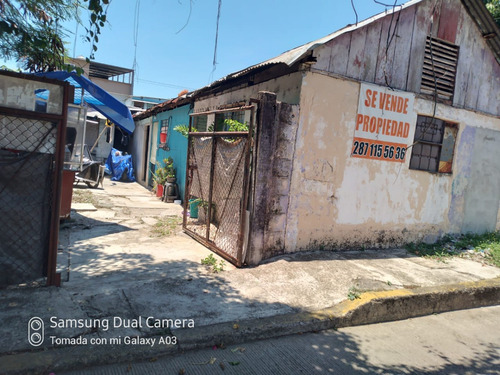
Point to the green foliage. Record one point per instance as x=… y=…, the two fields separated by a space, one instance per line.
x=202 y=203
x=166 y=226
x=481 y=246
x=169 y=167
x=353 y=293
x=184 y=130
x=162 y=172
x=211 y=262
x=493 y=7
x=235 y=126
x=31 y=31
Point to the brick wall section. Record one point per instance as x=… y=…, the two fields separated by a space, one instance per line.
x=276 y=133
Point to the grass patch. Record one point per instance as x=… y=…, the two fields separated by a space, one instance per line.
x=166 y=226
x=476 y=246
x=84 y=196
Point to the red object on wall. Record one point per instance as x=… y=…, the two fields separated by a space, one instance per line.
x=163 y=134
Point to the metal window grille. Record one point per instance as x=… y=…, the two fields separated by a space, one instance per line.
x=200 y=123
x=433 y=147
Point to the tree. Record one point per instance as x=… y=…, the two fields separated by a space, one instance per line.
x=31 y=31
x=493 y=7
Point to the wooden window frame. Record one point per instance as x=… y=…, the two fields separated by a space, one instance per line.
x=428 y=145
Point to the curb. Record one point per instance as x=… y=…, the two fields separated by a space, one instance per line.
x=370 y=308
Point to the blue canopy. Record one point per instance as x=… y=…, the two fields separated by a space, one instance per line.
x=97 y=98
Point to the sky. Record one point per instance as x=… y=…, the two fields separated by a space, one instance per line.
x=174 y=50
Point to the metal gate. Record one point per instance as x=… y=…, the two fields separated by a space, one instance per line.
x=32 y=133
x=217 y=185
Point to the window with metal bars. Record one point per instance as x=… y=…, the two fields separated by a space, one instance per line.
x=434 y=145
x=200 y=123
x=440 y=68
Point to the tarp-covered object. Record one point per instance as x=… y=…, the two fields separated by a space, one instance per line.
x=120 y=166
x=97 y=98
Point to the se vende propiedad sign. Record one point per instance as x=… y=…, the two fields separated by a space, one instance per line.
x=383 y=123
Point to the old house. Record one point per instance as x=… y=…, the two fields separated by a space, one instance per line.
x=149 y=149
x=384 y=132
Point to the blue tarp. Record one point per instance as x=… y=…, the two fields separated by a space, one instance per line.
x=97 y=98
x=118 y=164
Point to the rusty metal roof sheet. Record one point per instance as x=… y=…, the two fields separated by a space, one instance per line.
x=476 y=9
x=486 y=24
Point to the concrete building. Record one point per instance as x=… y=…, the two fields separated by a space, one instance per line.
x=381 y=133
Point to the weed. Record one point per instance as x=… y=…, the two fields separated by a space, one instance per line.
x=353 y=293
x=166 y=226
x=481 y=246
x=84 y=196
x=210 y=261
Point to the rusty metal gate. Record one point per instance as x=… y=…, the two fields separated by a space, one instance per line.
x=31 y=157
x=217 y=185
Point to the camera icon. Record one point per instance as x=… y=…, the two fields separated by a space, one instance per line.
x=36 y=329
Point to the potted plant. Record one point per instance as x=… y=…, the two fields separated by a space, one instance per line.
x=169 y=170
x=159 y=179
x=203 y=210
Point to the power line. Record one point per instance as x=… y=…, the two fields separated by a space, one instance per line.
x=216 y=40
x=171 y=85
x=136 y=32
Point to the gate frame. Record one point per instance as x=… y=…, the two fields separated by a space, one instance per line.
x=53 y=278
x=238 y=261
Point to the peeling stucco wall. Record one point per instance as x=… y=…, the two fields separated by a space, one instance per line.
x=338 y=201
x=273 y=154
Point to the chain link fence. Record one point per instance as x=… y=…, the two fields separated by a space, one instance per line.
x=27 y=160
x=216 y=190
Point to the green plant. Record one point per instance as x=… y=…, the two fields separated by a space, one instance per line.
x=353 y=293
x=235 y=126
x=485 y=247
x=163 y=172
x=169 y=167
x=166 y=226
x=210 y=261
x=184 y=130
x=159 y=175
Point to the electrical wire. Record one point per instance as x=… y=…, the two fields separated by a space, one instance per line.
x=171 y=85
x=216 y=41
x=356 y=13
x=136 y=35
x=189 y=16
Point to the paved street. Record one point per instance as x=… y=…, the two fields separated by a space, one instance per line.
x=119 y=271
x=460 y=342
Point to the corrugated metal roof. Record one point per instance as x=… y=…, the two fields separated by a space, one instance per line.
x=296 y=54
x=486 y=24
x=476 y=9
x=165 y=106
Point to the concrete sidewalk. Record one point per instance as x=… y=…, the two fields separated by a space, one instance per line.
x=125 y=285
